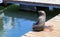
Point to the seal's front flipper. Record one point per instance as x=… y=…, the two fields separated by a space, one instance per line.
x=37 y=28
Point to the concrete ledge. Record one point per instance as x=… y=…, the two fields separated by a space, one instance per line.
x=52 y=31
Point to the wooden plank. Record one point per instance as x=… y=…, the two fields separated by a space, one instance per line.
x=54 y=31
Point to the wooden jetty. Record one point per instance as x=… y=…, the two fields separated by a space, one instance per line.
x=54 y=32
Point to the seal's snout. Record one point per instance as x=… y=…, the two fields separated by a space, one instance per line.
x=41 y=12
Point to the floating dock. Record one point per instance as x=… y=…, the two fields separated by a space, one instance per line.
x=55 y=32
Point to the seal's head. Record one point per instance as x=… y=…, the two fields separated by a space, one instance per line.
x=41 y=12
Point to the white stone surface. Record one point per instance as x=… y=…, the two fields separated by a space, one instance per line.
x=1 y=1
x=42 y=1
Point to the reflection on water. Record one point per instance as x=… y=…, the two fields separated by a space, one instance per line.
x=7 y=23
x=1 y=24
x=15 y=24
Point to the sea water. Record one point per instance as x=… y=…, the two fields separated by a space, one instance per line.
x=15 y=24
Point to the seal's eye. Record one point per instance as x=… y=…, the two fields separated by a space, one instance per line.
x=40 y=13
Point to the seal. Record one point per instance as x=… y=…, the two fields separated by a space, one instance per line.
x=39 y=25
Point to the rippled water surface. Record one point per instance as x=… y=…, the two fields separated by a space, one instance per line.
x=15 y=24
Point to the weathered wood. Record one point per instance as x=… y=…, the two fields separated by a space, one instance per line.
x=53 y=31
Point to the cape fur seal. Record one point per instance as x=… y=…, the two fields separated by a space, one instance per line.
x=39 y=25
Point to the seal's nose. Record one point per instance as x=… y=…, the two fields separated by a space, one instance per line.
x=41 y=12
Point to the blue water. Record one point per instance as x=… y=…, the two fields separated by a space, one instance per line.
x=17 y=24
x=19 y=27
